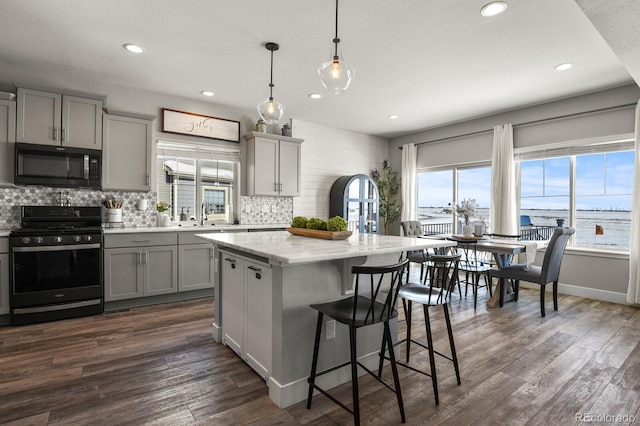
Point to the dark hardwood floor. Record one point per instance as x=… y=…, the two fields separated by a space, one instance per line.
x=159 y=366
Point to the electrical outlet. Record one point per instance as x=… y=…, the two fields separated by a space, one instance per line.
x=330 y=329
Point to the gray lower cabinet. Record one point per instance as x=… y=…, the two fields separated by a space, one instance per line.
x=134 y=266
x=246 y=287
x=4 y=276
x=195 y=263
x=7 y=140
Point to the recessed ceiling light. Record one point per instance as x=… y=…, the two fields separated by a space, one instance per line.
x=563 y=67
x=494 y=8
x=393 y=117
x=133 y=48
x=207 y=93
x=315 y=95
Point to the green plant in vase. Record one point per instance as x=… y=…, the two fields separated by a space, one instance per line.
x=388 y=186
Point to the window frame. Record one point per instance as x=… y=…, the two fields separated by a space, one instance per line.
x=454 y=169
x=200 y=153
x=573 y=149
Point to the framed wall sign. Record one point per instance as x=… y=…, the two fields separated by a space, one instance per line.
x=188 y=123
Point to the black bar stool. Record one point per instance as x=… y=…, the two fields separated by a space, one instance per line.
x=436 y=292
x=370 y=304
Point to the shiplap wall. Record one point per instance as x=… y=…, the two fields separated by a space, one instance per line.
x=327 y=154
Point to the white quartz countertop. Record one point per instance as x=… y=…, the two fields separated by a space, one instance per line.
x=282 y=248
x=4 y=232
x=203 y=229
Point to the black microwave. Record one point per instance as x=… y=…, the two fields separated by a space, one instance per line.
x=57 y=166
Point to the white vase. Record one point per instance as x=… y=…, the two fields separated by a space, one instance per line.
x=160 y=218
x=467 y=230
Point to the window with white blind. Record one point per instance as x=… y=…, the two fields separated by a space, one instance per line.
x=194 y=179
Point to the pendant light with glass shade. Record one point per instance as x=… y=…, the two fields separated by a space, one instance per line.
x=336 y=75
x=271 y=111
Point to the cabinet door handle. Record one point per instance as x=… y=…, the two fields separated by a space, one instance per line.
x=63 y=133
x=147 y=179
x=212 y=251
x=146 y=257
x=55 y=133
x=275 y=187
x=233 y=262
x=257 y=271
x=139 y=255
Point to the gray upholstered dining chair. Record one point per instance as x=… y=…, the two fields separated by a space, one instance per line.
x=413 y=228
x=549 y=272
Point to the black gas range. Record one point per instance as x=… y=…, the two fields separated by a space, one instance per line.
x=56 y=264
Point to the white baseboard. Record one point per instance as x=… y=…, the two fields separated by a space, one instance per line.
x=216 y=332
x=296 y=391
x=589 y=293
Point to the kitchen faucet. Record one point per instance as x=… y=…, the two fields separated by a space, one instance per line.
x=203 y=216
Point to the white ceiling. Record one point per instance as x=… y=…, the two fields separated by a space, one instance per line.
x=430 y=62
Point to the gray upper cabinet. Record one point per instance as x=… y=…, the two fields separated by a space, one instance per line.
x=49 y=118
x=126 y=156
x=273 y=164
x=7 y=139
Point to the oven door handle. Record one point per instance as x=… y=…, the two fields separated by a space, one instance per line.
x=58 y=248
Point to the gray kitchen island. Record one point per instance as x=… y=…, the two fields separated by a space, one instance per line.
x=265 y=284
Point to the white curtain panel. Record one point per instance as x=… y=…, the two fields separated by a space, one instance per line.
x=633 y=291
x=409 y=192
x=504 y=202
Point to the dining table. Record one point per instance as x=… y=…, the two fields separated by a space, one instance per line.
x=503 y=250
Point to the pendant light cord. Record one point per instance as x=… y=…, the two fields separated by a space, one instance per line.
x=271 y=78
x=336 y=40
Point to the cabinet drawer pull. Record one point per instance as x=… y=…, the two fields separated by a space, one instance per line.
x=230 y=259
x=140 y=241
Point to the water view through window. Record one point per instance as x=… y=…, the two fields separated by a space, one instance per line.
x=600 y=199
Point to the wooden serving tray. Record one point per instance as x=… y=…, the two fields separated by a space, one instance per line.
x=325 y=235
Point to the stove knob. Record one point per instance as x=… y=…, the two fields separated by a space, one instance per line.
x=88 y=238
x=38 y=240
x=26 y=240
x=57 y=239
x=77 y=238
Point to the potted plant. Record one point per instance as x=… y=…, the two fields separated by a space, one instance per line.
x=388 y=185
x=162 y=207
